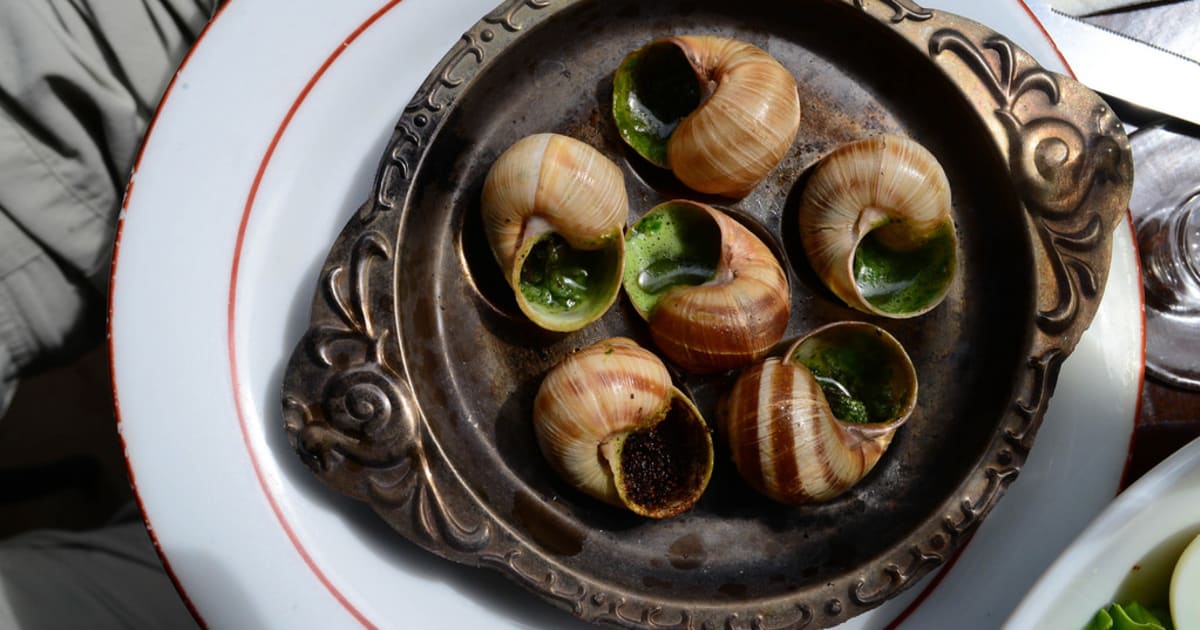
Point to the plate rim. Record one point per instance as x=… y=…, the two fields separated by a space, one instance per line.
x=126 y=202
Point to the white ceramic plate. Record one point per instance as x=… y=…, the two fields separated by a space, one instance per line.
x=264 y=145
x=1146 y=527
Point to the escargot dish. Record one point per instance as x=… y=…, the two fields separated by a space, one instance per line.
x=554 y=211
x=713 y=293
x=875 y=220
x=611 y=423
x=719 y=113
x=413 y=382
x=808 y=426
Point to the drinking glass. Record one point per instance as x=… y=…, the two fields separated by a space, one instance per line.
x=1165 y=205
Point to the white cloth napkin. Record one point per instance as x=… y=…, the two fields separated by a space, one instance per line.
x=1088 y=7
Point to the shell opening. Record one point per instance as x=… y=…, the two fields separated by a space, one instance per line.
x=662 y=469
x=565 y=283
x=863 y=374
x=902 y=280
x=675 y=244
x=654 y=88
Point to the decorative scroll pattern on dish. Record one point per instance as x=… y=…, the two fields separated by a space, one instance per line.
x=405 y=143
x=434 y=95
x=416 y=493
x=1045 y=375
x=596 y=606
x=972 y=512
x=445 y=77
x=599 y=606
x=801 y=617
x=367 y=412
x=903 y=10
x=1056 y=165
x=505 y=15
x=896 y=577
x=364 y=412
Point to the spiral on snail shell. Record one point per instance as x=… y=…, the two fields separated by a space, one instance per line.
x=611 y=423
x=714 y=295
x=807 y=427
x=719 y=113
x=554 y=211
x=876 y=224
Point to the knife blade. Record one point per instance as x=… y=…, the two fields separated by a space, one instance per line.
x=1123 y=67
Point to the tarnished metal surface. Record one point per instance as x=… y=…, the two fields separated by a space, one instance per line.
x=412 y=389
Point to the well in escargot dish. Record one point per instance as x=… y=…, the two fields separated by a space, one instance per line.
x=876 y=224
x=807 y=427
x=713 y=293
x=612 y=424
x=719 y=113
x=554 y=210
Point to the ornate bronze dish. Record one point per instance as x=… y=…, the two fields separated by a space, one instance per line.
x=412 y=388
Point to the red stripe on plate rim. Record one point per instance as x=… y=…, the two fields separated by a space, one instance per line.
x=239 y=401
x=112 y=276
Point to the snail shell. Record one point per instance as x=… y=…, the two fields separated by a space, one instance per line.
x=719 y=112
x=713 y=293
x=611 y=423
x=876 y=226
x=554 y=210
x=807 y=427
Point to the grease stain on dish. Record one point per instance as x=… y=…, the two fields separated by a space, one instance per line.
x=548 y=529
x=737 y=591
x=655 y=583
x=687 y=553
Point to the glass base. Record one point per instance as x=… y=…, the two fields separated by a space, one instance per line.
x=1166 y=211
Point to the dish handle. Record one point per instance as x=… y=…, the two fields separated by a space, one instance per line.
x=1071 y=166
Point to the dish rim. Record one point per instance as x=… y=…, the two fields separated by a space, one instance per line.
x=1072 y=255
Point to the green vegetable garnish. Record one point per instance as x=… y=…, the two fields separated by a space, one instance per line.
x=1130 y=616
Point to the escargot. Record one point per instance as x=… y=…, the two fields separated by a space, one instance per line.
x=611 y=423
x=719 y=113
x=808 y=426
x=713 y=294
x=876 y=224
x=554 y=210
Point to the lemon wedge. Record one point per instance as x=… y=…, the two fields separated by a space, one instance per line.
x=1185 y=587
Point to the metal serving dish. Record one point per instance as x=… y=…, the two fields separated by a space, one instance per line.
x=413 y=386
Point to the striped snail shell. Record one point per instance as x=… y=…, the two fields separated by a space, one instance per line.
x=807 y=427
x=876 y=225
x=713 y=293
x=611 y=423
x=554 y=210
x=720 y=113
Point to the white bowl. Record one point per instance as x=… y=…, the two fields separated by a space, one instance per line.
x=1128 y=553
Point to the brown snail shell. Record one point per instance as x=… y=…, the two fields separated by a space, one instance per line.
x=876 y=224
x=787 y=439
x=714 y=294
x=611 y=423
x=554 y=210
x=719 y=112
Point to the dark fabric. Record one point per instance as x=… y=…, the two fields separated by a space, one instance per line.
x=94 y=580
x=79 y=81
